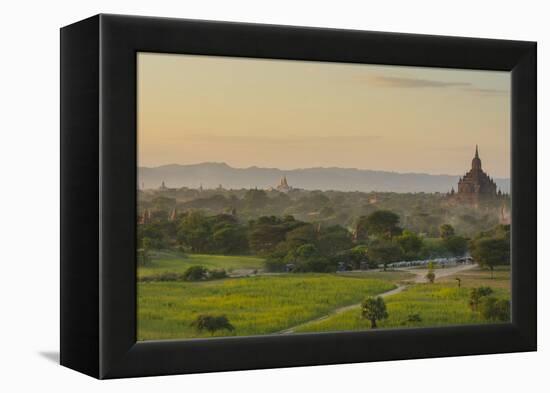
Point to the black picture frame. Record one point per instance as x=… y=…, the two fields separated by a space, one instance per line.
x=98 y=195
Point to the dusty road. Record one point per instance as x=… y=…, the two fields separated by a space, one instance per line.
x=420 y=277
x=439 y=273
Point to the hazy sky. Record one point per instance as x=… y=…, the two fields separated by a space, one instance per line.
x=295 y=114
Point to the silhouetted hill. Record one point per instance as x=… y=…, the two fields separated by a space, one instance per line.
x=211 y=175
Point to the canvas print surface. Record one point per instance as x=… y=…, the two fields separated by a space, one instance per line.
x=283 y=197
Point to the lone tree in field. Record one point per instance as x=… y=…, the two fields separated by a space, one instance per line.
x=373 y=309
x=430 y=276
x=212 y=323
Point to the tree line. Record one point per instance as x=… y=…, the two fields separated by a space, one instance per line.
x=290 y=244
x=422 y=213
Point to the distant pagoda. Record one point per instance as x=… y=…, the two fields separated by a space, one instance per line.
x=475 y=184
x=283 y=185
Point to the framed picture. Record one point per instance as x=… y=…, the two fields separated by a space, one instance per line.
x=240 y=196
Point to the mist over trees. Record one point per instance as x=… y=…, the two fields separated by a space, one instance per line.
x=421 y=213
x=314 y=231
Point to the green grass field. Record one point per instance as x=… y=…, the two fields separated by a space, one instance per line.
x=441 y=303
x=270 y=303
x=254 y=305
x=175 y=262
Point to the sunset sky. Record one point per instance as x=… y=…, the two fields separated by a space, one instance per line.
x=295 y=114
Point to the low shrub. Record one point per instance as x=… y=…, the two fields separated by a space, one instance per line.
x=195 y=273
x=430 y=276
x=212 y=323
x=495 y=309
x=476 y=294
x=217 y=274
x=414 y=318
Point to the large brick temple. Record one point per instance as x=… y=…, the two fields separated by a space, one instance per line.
x=475 y=184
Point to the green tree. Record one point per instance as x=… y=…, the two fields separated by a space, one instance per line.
x=265 y=233
x=230 y=239
x=195 y=273
x=333 y=239
x=495 y=309
x=194 y=231
x=354 y=256
x=212 y=323
x=307 y=259
x=301 y=235
x=476 y=294
x=373 y=309
x=317 y=264
x=492 y=248
x=158 y=232
x=490 y=252
x=456 y=245
x=430 y=276
x=446 y=231
x=383 y=223
x=361 y=229
x=384 y=252
x=306 y=251
x=256 y=199
x=411 y=243
x=300 y=253
x=273 y=264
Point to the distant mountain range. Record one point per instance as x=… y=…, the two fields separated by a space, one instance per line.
x=211 y=175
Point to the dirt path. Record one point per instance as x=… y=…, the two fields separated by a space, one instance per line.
x=420 y=277
x=439 y=273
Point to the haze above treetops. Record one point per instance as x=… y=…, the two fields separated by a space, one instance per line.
x=296 y=114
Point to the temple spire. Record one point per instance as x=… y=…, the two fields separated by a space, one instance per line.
x=476 y=162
